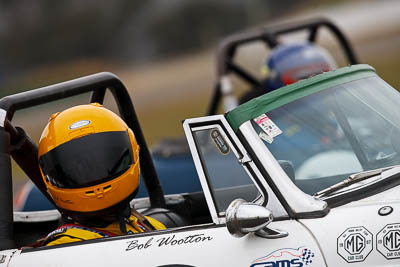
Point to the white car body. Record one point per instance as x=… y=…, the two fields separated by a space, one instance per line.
x=351 y=234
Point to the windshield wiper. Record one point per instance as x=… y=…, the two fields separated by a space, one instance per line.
x=352 y=179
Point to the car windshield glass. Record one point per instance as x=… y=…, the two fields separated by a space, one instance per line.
x=332 y=134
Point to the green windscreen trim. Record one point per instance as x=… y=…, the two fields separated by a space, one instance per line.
x=292 y=92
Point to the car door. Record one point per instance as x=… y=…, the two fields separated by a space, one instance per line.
x=227 y=173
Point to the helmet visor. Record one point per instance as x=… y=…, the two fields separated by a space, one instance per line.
x=88 y=160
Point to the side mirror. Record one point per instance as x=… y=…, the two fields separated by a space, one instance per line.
x=243 y=218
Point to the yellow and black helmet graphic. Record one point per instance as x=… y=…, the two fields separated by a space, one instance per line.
x=89 y=159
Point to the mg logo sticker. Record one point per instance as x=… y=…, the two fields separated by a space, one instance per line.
x=355 y=244
x=388 y=241
x=391 y=240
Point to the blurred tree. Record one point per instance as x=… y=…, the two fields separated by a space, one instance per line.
x=47 y=32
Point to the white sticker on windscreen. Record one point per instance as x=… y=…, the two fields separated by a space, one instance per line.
x=270 y=130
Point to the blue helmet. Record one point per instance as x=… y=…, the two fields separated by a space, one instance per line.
x=288 y=63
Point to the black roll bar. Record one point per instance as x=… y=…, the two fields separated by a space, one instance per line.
x=270 y=36
x=6 y=204
x=24 y=149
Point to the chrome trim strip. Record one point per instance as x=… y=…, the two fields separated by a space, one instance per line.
x=37 y=216
x=144 y=202
x=297 y=200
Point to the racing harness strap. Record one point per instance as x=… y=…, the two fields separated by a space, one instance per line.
x=73 y=232
x=136 y=223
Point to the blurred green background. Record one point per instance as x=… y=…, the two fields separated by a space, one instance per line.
x=164 y=51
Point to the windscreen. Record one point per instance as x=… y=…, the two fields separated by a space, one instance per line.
x=332 y=134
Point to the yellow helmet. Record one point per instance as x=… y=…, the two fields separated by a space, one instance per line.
x=89 y=160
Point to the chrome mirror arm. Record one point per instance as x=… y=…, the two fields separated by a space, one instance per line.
x=270 y=233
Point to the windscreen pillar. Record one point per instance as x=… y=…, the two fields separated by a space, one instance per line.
x=6 y=195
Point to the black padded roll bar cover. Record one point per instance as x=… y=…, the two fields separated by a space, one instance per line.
x=6 y=196
x=96 y=83
x=25 y=153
